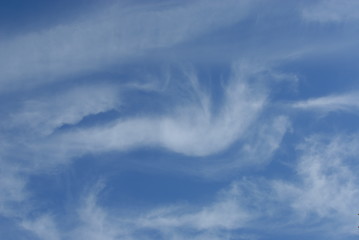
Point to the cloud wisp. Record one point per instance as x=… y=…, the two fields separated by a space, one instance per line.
x=333 y=103
x=114 y=34
x=193 y=129
x=321 y=198
x=43 y=115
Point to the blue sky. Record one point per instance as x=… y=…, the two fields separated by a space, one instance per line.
x=204 y=120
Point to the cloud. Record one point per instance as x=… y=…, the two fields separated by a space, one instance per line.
x=42 y=115
x=43 y=227
x=195 y=123
x=225 y=213
x=256 y=148
x=266 y=140
x=110 y=36
x=211 y=221
x=12 y=189
x=94 y=223
x=326 y=194
x=192 y=129
x=345 y=102
x=321 y=198
x=204 y=120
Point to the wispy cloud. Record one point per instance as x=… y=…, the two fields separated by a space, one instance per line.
x=321 y=197
x=42 y=115
x=12 y=189
x=212 y=221
x=345 y=102
x=256 y=148
x=108 y=36
x=225 y=213
x=194 y=86
x=191 y=130
x=94 y=222
x=196 y=126
x=43 y=227
x=326 y=194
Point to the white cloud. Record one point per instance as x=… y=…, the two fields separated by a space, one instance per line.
x=322 y=195
x=43 y=115
x=321 y=198
x=94 y=223
x=266 y=140
x=327 y=191
x=107 y=37
x=191 y=130
x=256 y=149
x=224 y=214
x=345 y=102
x=211 y=222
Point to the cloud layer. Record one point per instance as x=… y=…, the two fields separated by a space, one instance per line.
x=182 y=120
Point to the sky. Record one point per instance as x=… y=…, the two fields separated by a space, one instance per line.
x=179 y=119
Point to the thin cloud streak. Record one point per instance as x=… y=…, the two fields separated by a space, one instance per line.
x=345 y=102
